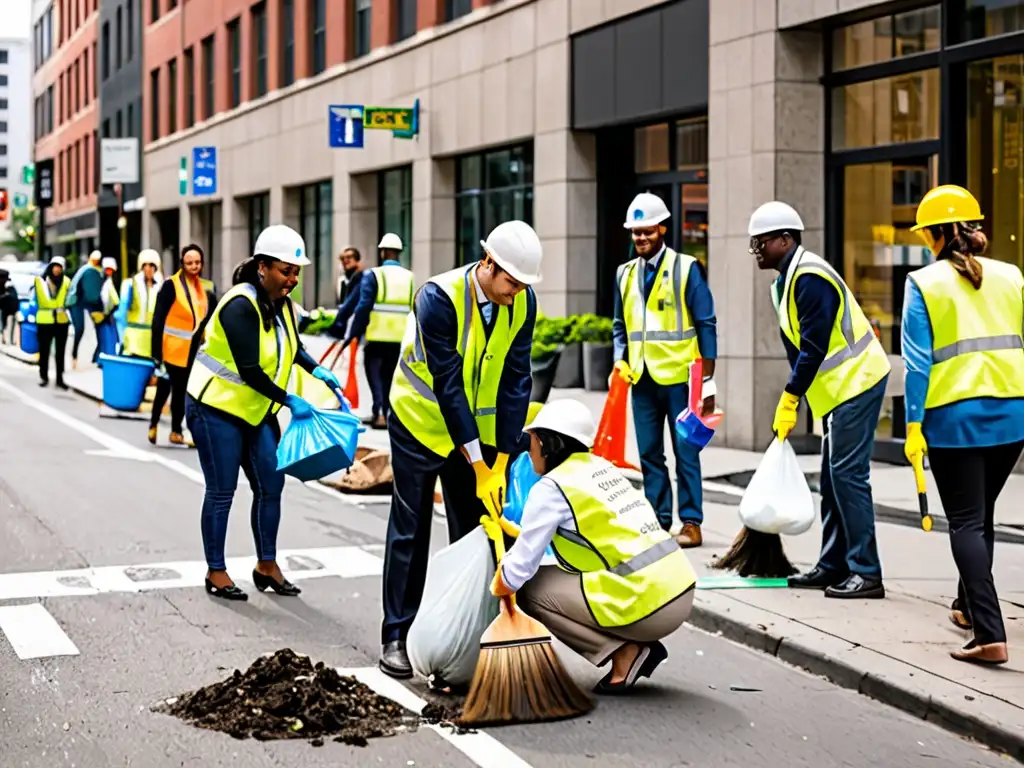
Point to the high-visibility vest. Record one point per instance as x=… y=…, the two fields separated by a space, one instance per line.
x=188 y=311
x=214 y=378
x=395 y=287
x=977 y=347
x=659 y=330
x=855 y=361
x=483 y=359
x=138 y=331
x=52 y=309
x=629 y=566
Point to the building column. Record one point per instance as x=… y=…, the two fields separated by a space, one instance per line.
x=362 y=216
x=234 y=240
x=433 y=217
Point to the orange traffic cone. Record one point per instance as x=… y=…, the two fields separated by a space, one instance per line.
x=610 y=443
x=351 y=390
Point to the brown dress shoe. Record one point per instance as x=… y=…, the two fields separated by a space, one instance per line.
x=690 y=536
x=989 y=654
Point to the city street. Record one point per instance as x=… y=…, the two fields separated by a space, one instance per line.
x=103 y=613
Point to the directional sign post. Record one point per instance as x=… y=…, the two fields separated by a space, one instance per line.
x=388 y=118
x=204 y=171
x=346 y=126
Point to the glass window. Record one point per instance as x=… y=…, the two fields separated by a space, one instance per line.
x=692 y=144
x=890 y=110
x=287 y=42
x=130 y=39
x=105 y=34
x=987 y=18
x=362 y=27
x=491 y=187
x=886 y=38
x=154 y=11
x=257 y=209
x=318 y=36
x=208 y=69
x=172 y=95
x=316 y=214
x=406 y=26
x=235 y=62
x=130 y=121
x=154 y=105
x=190 y=87
x=120 y=38
x=259 y=33
x=453 y=9
x=395 y=209
x=652 y=149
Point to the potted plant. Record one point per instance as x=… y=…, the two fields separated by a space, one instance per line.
x=570 y=365
x=544 y=357
x=596 y=335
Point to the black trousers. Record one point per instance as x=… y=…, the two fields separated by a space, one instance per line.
x=78 y=321
x=407 y=549
x=969 y=481
x=57 y=335
x=174 y=385
x=380 y=358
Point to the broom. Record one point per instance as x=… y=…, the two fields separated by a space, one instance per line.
x=756 y=554
x=518 y=678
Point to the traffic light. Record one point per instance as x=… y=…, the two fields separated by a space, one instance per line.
x=4 y=205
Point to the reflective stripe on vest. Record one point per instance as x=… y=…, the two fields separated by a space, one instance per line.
x=395 y=288
x=412 y=391
x=214 y=378
x=630 y=567
x=977 y=342
x=660 y=332
x=855 y=360
x=186 y=313
x=51 y=309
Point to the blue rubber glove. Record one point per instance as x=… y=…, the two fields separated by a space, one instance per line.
x=326 y=377
x=300 y=408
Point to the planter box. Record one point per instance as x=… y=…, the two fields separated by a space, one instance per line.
x=569 y=374
x=597 y=366
x=543 y=373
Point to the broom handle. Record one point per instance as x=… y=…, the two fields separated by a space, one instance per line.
x=499 y=554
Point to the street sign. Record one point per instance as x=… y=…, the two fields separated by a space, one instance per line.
x=413 y=131
x=28 y=174
x=346 y=126
x=183 y=177
x=20 y=200
x=388 y=118
x=204 y=171
x=44 y=183
x=119 y=161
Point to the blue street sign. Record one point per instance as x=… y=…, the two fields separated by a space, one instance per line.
x=346 y=126
x=204 y=171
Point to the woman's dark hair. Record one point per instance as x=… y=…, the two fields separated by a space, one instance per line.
x=191 y=247
x=249 y=272
x=556 y=447
x=961 y=243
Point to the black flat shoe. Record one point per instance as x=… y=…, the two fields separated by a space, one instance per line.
x=230 y=592
x=816 y=578
x=283 y=587
x=856 y=586
x=646 y=662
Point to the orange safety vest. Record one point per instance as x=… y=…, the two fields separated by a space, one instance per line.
x=188 y=311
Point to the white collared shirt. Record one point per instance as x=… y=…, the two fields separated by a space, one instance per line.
x=546 y=510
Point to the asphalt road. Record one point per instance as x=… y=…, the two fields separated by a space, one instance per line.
x=80 y=670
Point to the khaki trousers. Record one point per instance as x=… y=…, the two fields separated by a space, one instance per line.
x=555 y=599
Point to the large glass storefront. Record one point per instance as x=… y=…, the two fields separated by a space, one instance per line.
x=316 y=210
x=491 y=187
x=394 y=208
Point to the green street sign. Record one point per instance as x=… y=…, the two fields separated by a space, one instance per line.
x=183 y=177
x=388 y=118
x=20 y=200
x=28 y=174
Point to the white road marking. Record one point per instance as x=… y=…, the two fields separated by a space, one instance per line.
x=731 y=490
x=342 y=562
x=110 y=453
x=484 y=750
x=33 y=633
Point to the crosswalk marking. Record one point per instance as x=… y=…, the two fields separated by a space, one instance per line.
x=33 y=633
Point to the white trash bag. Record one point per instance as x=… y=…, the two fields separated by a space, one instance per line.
x=444 y=640
x=778 y=500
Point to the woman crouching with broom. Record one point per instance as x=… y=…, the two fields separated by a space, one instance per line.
x=622 y=584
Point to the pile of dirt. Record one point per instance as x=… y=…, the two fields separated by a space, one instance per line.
x=286 y=696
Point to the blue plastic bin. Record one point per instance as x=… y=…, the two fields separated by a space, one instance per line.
x=125 y=380
x=29 y=339
x=106 y=340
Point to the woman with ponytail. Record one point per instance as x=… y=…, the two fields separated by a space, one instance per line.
x=964 y=390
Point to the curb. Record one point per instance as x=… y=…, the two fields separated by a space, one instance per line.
x=912 y=699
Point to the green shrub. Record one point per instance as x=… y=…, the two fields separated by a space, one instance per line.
x=595 y=329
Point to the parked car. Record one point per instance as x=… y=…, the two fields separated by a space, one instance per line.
x=23 y=276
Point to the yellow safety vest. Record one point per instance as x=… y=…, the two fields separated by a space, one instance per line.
x=855 y=361
x=138 y=331
x=483 y=360
x=214 y=378
x=629 y=566
x=977 y=347
x=52 y=309
x=395 y=287
x=659 y=330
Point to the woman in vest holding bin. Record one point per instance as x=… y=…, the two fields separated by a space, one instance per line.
x=134 y=314
x=52 y=319
x=622 y=583
x=964 y=355
x=236 y=386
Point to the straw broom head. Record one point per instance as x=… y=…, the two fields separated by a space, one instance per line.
x=756 y=554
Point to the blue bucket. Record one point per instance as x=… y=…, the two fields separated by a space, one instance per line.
x=696 y=431
x=106 y=340
x=125 y=380
x=29 y=339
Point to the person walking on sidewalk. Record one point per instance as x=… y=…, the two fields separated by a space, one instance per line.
x=664 y=319
x=181 y=306
x=134 y=315
x=8 y=307
x=85 y=295
x=964 y=355
x=236 y=386
x=52 y=319
x=458 y=405
x=378 y=310
x=107 y=338
x=839 y=366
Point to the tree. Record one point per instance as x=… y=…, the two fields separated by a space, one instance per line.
x=23 y=230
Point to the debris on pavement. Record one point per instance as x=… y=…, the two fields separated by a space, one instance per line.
x=444 y=714
x=744 y=689
x=285 y=696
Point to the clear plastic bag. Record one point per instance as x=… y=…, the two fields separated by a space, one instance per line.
x=778 y=499
x=444 y=640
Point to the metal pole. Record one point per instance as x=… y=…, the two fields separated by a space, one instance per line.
x=122 y=225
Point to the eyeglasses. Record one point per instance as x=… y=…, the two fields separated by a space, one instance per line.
x=757 y=245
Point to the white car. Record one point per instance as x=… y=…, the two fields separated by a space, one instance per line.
x=23 y=276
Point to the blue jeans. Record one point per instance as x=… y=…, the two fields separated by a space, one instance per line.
x=848 y=544
x=226 y=445
x=653 y=403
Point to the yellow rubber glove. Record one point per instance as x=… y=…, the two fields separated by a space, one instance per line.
x=490 y=485
x=915 y=446
x=785 y=415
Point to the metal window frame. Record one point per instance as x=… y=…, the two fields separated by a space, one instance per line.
x=172 y=97
x=234 y=30
x=404 y=202
x=260 y=49
x=208 y=51
x=287 y=74
x=317 y=36
x=361 y=44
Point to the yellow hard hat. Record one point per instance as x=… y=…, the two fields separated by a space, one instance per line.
x=948 y=204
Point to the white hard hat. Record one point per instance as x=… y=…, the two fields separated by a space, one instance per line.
x=646 y=210
x=95 y=256
x=775 y=216
x=149 y=256
x=515 y=247
x=567 y=417
x=59 y=261
x=109 y=262
x=391 y=241
x=282 y=243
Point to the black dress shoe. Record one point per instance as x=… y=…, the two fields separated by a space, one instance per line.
x=857 y=586
x=283 y=587
x=230 y=592
x=816 y=578
x=394 y=661
x=62 y=386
